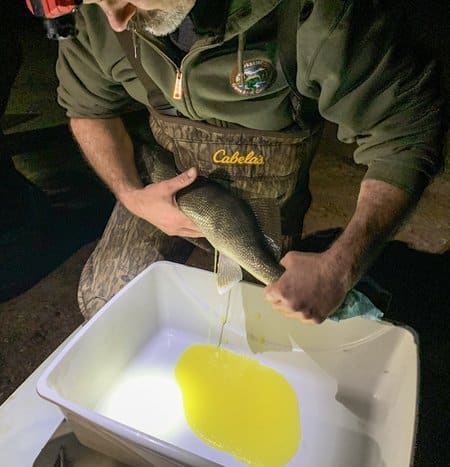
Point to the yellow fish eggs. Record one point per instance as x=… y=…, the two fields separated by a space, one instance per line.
x=237 y=405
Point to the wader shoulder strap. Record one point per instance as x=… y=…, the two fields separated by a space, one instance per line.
x=287 y=38
x=291 y=14
x=155 y=96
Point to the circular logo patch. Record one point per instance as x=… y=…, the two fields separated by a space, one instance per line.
x=258 y=76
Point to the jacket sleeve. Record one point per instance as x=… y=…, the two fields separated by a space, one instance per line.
x=96 y=80
x=382 y=97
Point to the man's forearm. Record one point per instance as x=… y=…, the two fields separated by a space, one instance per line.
x=109 y=150
x=380 y=211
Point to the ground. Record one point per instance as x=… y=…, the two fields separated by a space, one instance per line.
x=415 y=268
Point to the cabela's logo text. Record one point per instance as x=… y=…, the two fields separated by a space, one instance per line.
x=221 y=157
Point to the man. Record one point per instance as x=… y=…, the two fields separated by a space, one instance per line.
x=215 y=65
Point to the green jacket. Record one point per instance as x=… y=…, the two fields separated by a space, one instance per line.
x=349 y=61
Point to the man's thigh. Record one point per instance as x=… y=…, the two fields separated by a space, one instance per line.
x=127 y=246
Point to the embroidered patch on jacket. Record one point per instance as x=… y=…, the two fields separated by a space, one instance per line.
x=221 y=157
x=258 y=76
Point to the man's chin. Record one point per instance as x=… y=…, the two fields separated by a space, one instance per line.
x=160 y=31
x=162 y=23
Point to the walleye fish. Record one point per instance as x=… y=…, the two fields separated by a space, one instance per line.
x=227 y=222
x=231 y=227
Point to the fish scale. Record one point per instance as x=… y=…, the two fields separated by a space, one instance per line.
x=225 y=220
x=229 y=224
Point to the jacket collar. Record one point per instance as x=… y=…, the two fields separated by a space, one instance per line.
x=231 y=17
x=207 y=23
x=245 y=13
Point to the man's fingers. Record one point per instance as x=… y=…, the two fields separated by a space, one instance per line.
x=271 y=295
x=191 y=233
x=182 y=180
x=280 y=305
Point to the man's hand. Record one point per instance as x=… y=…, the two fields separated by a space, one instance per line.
x=314 y=285
x=310 y=289
x=107 y=146
x=156 y=203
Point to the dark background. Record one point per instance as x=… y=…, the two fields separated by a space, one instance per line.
x=53 y=209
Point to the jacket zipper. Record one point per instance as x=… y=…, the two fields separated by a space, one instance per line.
x=179 y=90
x=178 y=86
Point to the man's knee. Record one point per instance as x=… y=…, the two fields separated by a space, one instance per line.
x=89 y=306
x=127 y=247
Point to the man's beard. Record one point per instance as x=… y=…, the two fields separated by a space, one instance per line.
x=162 y=23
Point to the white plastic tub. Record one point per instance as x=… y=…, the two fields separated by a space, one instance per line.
x=356 y=381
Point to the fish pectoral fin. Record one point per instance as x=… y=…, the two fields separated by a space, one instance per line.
x=228 y=274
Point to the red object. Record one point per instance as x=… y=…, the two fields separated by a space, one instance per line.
x=51 y=8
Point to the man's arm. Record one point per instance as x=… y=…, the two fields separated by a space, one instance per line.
x=365 y=78
x=380 y=211
x=314 y=285
x=108 y=148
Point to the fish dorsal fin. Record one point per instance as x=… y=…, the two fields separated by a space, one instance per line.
x=228 y=273
x=267 y=213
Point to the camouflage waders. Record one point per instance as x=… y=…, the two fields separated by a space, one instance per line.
x=269 y=169
x=128 y=245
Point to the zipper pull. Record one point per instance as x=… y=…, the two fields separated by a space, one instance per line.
x=134 y=40
x=178 y=88
x=135 y=44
